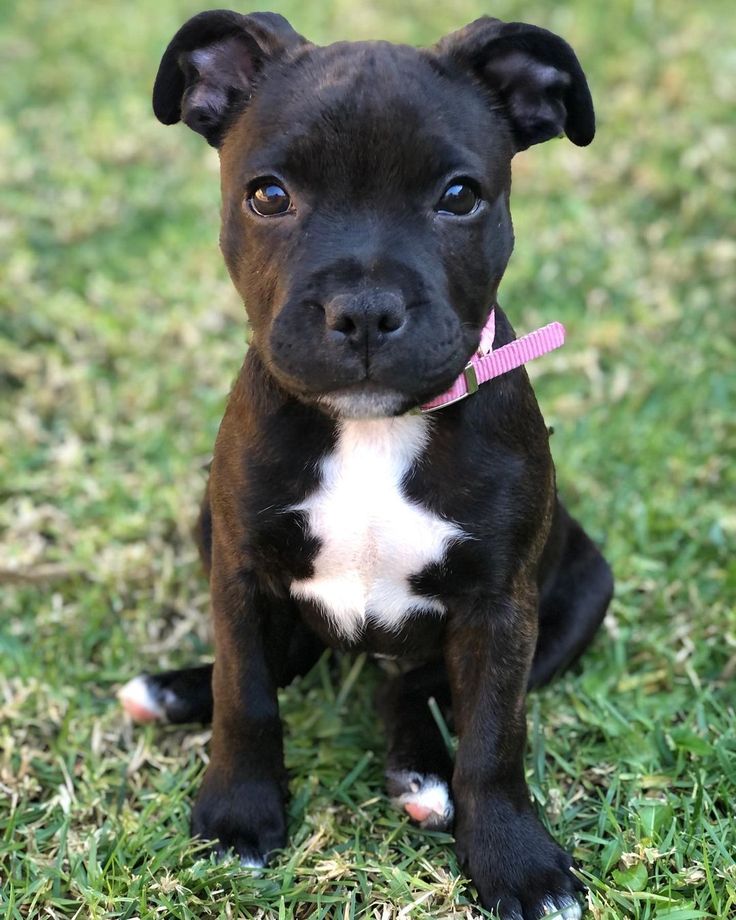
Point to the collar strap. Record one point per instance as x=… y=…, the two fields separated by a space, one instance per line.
x=487 y=363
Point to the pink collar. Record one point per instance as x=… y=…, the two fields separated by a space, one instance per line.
x=487 y=363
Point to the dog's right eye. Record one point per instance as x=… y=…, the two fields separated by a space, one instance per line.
x=269 y=199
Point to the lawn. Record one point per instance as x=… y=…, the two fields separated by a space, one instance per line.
x=119 y=336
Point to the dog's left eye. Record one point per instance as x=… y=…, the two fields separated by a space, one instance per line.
x=269 y=199
x=459 y=198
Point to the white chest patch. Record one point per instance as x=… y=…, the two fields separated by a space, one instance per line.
x=373 y=538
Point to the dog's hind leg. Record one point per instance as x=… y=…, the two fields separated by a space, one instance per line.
x=418 y=764
x=573 y=601
x=178 y=696
x=185 y=695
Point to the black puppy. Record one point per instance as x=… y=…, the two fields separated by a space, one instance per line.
x=366 y=224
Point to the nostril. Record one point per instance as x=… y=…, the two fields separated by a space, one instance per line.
x=342 y=323
x=390 y=321
x=339 y=317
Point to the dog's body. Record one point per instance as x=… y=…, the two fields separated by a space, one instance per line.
x=366 y=225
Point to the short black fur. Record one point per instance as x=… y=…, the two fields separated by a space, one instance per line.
x=365 y=138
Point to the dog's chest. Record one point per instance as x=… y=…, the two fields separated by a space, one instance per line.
x=372 y=537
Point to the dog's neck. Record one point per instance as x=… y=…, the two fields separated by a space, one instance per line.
x=498 y=352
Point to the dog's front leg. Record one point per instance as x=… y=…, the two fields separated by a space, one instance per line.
x=241 y=800
x=518 y=869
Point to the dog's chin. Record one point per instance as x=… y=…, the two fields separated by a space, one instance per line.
x=365 y=402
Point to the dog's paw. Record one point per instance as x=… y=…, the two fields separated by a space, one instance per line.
x=241 y=817
x=144 y=700
x=518 y=869
x=424 y=797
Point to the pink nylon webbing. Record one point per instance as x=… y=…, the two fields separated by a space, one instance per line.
x=488 y=363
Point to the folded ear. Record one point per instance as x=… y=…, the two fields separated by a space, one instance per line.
x=209 y=70
x=532 y=73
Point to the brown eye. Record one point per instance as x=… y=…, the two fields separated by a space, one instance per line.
x=269 y=199
x=459 y=198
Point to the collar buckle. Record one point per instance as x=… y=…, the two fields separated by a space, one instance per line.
x=471 y=386
x=488 y=362
x=471 y=378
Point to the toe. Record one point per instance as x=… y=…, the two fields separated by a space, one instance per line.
x=417 y=812
x=505 y=907
x=139 y=701
x=425 y=798
x=252 y=860
x=567 y=864
x=563 y=907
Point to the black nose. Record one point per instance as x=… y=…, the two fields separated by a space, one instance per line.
x=369 y=316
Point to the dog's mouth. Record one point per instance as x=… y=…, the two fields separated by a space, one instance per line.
x=391 y=373
x=365 y=400
x=369 y=397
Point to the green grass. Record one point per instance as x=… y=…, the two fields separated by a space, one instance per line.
x=119 y=336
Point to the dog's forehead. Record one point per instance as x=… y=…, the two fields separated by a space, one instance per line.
x=370 y=74
x=390 y=114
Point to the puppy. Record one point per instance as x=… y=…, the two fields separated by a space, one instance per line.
x=382 y=478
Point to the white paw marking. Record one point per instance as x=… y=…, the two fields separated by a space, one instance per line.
x=373 y=538
x=253 y=862
x=427 y=799
x=564 y=907
x=138 y=701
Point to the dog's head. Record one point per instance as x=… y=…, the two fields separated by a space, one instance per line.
x=365 y=189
